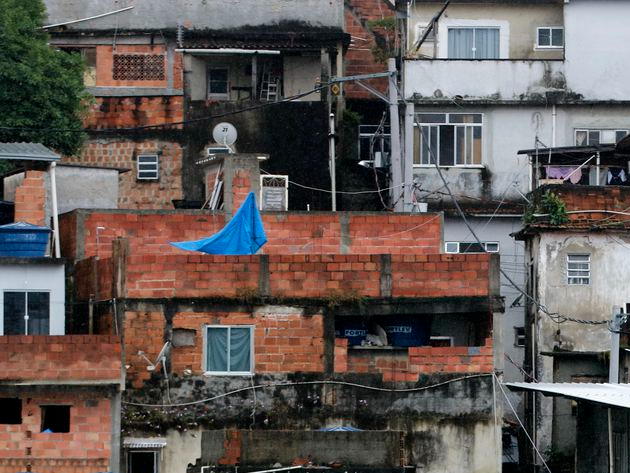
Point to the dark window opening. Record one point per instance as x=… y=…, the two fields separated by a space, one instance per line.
x=26 y=313
x=55 y=419
x=10 y=410
x=142 y=462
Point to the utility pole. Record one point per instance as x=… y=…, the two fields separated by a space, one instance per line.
x=331 y=152
x=394 y=123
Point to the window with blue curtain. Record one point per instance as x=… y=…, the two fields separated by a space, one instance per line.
x=473 y=43
x=229 y=349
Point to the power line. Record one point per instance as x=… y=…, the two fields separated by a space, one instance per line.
x=556 y=317
x=307 y=383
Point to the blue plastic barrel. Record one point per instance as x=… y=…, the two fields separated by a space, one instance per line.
x=23 y=240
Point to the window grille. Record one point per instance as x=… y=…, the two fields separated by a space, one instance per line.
x=139 y=67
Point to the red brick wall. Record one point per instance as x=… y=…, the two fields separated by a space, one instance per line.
x=124 y=112
x=287 y=233
x=359 y=58
x=409 y=364
x=94 y=278
x=60 y=358
x=157 y=276
x=284 y=341
x=136 y=194
x=30 y=199
x=85 y=449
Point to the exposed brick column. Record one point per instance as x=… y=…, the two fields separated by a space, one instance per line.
x=30 y=199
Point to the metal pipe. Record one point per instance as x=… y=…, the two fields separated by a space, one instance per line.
x=331 y=151
x=55 y=216
x=554 y=115
x=227 y=51
x=88 y=18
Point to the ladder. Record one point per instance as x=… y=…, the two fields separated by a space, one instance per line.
x=270 y=87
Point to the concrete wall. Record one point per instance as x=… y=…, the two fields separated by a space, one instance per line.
x=518 y=23
x=606 y=76
x=21 y=276
x=301 y=74
x=86 y=188
x=506 y=130
x=164 y=14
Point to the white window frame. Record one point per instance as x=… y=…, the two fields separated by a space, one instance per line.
x=474 y=49
x=155 y=172
x=445 y=23
x=588 y=131
x=26 y=291
x=453 y=247
x=447 y=122
x=578 y=276
x=218 y=96
x=228 y=373
x=550 y=45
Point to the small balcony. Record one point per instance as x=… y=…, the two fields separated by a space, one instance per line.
x=492 y=80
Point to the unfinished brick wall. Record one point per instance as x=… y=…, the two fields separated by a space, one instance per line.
x=313 y=276
x=60 y=358
x=85 y=449
x=30 y=199
x=285 y=340
x=408 y=364
x=124 y=112
x=360 y=59
x=287 y=233
x=105 y=65
x=94 y=277
x=134 y=193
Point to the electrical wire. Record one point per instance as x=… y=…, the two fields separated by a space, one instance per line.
x=307 y=383
x=521 y=424
x=556 y=317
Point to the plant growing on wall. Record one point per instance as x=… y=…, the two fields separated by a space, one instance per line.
x=549 y=205
x=41 y=88
x=384 y=31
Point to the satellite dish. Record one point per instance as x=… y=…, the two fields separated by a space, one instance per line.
x=224 y=133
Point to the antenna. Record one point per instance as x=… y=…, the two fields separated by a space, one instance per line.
x=159 y=359
x=225 y=134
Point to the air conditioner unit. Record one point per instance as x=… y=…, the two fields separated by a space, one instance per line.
x=274 y=192
x=213 y=151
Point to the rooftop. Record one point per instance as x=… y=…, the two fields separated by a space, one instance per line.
x=27 y=152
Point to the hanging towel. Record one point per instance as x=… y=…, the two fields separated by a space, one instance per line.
x=564 y=172
x=243 y=235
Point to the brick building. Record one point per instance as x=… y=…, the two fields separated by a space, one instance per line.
x=192 y=66
x=277 y=342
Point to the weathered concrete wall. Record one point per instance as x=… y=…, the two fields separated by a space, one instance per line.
x=605 y=76
x=86 y=188
x=518 y=23
x=263 y=448
x=592 y=438
x=164 y=14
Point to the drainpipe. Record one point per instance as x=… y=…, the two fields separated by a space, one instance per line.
x=55 y=215
x=554 y=116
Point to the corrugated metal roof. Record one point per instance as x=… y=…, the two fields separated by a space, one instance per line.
x=150 y=442
x=27 y=152
x=617 y=395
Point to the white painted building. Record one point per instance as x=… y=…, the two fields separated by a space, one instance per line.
x=495 y=77
x=32 y=296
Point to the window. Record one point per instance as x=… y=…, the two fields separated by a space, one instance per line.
x=88 y=54
x=591 y=137
x=578 y=269
x=550 y=37
x=441 y=341
x=55 y=419
x=142 y=461
x=229 y=349
x=218 y=83
x=453 y=139
x=372 y=141
x=148 y=167
x=147 y=67
x=26 y=313
x=473 y=43
x=10 y=410
x=519 y=336
x=471 y=247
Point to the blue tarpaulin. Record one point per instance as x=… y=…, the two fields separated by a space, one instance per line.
x=243 y=235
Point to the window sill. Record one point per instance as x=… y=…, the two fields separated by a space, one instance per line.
x=547 y=48
x=466 y=166
x=207 y=374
